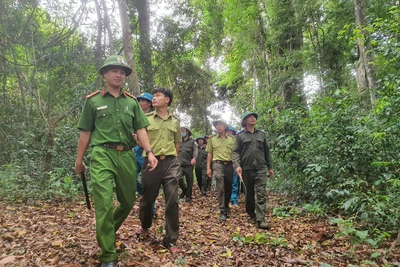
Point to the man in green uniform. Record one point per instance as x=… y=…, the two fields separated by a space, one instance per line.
x=251 y=158
x=201 y=167
x=187 y=157
x=108 y=121
x=165 y=136
x=219 y=150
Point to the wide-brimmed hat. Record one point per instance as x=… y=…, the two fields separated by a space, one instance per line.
x=221 y=121
x=116 y=61
x=244 y=115
x=188 y=129
x=200 y=137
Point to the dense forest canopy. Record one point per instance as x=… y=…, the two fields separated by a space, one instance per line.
x=337 y=151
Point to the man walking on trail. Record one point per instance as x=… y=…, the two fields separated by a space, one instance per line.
x=251 y=158
x=235 y=181
x=201 y=167
x=187 y=157
x=165 y=136
x=109 y=118
x=219 y=150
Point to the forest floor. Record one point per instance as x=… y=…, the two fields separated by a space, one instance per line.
x=63 y=234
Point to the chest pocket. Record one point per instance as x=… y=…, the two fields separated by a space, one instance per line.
x=153 y=132
x=128 y=117
x=172 y=131
x=104 y=118
x=260 y=143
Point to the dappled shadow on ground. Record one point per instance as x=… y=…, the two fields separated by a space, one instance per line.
x=63 y=234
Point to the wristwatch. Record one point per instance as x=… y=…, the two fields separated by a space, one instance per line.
x=149 y=151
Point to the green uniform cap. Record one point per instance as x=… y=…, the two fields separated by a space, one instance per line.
x=200 y=137
x=116 y=61
x=247 y=113
x=187 y=129
x=221 y=121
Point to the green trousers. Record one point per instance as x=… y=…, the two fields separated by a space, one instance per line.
x=256 y=199
x=108 y=166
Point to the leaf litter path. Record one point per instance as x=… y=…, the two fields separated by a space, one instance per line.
x=63 y=234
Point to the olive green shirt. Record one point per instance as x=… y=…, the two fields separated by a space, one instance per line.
x=221 y=147
x=111 y=119
x=163 y=134
x=251 y=151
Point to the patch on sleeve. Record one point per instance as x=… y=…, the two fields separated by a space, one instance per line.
x=92 y=94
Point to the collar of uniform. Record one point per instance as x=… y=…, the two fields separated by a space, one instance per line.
x=156 y=114
x=225 y=135
x=255 y=130
x=105 y=91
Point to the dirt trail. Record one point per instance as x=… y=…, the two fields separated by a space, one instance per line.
x=63 y=234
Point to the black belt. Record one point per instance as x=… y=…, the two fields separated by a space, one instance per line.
x=223 y=162
x=117 y=147
x=163 y=157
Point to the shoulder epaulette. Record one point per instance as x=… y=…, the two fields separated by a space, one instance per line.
x=151 y=113
x=214 y=135
x=176 y=117
x=92 y=94
x=130 y=95
x=241 y=131
x=230 y=135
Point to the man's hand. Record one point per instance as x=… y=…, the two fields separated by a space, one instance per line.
x=80 y=167
x=209 y=173
x=193 y=162
x=152 y=161
x=271 y=173
x=239 y=171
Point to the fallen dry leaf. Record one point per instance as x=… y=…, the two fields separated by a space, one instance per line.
x=63 y=234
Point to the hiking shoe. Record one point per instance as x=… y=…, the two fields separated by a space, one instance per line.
x=108 y=264
x=228 y=212
x=142 y=231
x=252 y=219
x=263 y=225
x=222 y=217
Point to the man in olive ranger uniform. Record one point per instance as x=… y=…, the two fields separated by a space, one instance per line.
x=201 y=167
x=187 y=157
x=164 y=134
x=108 y=121
x=251 y=158
x=219 y=150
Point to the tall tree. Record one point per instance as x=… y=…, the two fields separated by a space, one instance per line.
x=133 y=80
x=365 y=71
x=145 y=47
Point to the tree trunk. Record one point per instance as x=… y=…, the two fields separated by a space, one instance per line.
x=99 y=53
x=142 y=7
x=365 y=71
x=133 y=79
x=107 y=27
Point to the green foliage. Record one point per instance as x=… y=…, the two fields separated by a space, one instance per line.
x=348 y=230
x=283 y=212
x=260 y=239
x=19 y=187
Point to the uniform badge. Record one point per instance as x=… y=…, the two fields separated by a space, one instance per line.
x=102 y=107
